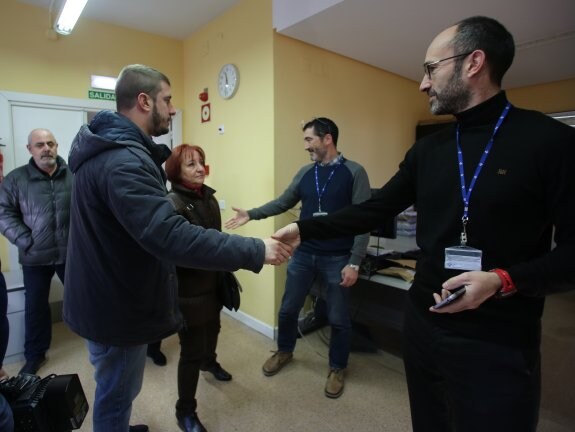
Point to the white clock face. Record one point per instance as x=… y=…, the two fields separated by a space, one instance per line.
x=228 y=81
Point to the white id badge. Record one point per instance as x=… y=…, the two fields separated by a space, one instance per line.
x=319 y=213
x=462 y=258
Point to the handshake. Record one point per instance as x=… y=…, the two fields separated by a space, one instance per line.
x=279 y=247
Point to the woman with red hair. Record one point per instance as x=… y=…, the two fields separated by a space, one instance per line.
x=197 y=289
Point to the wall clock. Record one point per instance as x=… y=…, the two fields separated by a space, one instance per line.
x=228 y=80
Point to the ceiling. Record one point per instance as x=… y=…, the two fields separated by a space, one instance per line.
x=389 y=34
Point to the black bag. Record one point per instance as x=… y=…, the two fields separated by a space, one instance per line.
x=229 y=291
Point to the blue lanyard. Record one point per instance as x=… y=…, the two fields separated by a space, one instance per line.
x=320 y=194
x=466 y=193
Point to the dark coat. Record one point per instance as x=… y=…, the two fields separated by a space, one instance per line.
x=126 y=239
x=197 y=288
x=35 y=213
x=4 y=324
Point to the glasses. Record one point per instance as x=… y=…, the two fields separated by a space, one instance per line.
x=431 y=66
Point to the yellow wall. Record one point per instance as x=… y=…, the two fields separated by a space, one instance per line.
x=548 y=98
x=376 y=113
x=241 y=160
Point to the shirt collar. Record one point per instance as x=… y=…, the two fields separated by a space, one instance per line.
x=334 y=161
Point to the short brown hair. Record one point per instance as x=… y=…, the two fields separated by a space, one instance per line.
x=135 y=79
x=490 y=36
x=179 y=154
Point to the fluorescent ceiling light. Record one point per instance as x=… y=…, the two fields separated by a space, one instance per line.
x=69 y=15
x=103 y=82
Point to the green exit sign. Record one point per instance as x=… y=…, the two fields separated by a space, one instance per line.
x=102 y=95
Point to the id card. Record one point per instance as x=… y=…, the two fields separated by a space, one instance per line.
x=462 y=258
x=319 y=213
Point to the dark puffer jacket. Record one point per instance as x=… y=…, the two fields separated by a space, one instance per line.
x=126 y=238
x=35 y=212
x=197 y=288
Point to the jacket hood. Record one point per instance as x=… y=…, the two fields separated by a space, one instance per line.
x=111 y=130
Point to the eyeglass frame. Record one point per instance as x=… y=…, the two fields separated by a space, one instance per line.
x=429 y=67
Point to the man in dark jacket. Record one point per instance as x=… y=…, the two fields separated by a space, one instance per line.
x=35 y=216
x=126 y=239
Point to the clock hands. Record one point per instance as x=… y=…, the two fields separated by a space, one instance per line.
x=228 y=81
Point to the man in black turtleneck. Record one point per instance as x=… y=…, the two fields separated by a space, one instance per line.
x=488 y=192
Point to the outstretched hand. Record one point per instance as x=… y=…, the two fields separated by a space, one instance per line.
x=241 y=218
x=289 y=234
x=276 y=251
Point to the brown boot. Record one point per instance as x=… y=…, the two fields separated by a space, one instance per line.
x=335 y=383
x=276 y=362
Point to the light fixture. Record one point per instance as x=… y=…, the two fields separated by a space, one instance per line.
x=103 y=82
x=69 y=15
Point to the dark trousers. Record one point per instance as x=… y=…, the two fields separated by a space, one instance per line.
x=4 y=323
x=197 y=351
x=6 y=417
x=38 y=320
x=461 y=384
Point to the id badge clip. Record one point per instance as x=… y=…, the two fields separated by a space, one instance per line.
x=319 y=213
x=463 y=258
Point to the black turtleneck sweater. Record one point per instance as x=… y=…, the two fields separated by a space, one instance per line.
x=526 y=187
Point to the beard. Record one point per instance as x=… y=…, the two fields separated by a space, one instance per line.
x=453 y=98
x=47 y=161
x=312 y=156
x=160 y=126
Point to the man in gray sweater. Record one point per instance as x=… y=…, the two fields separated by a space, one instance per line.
x=329 y=183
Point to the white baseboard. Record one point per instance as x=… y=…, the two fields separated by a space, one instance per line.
x=253 y=323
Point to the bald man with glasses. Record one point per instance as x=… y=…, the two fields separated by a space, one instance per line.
x=474 y=365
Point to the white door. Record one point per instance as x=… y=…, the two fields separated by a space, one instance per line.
x=63 y=123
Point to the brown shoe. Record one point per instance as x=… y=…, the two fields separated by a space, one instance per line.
x=334 y=384
x=276 y=362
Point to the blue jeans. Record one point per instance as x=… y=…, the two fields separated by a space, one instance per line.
x=38 y=321
x=303 y=269
x=119 y=373
x=6 y=419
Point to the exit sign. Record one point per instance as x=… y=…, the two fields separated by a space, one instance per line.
x=102 y=95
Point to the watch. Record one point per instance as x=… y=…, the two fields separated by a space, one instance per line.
x=228 y=80
x=354 y=267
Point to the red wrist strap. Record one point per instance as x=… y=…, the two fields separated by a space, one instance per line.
x=507 y=285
